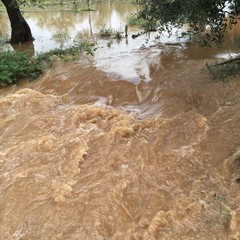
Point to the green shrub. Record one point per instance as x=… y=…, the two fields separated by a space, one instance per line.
x=223 y=71
x=137 y=21
x=15 y=66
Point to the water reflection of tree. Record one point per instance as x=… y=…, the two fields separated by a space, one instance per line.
x=56 y=21
x=62 y=21
x=105 y=11
x=27 y=48
x=4 y=23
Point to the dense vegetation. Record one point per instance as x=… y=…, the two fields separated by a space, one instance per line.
x=15 y=66
x=218 y=15
x=208 y=20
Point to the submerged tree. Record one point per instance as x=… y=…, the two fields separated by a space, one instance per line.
x=218 y=15
x=21 y=32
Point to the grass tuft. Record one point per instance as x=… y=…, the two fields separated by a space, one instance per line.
x=110 y=33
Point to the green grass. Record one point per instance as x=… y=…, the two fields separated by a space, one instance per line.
x=106 y=32
x=110 y=33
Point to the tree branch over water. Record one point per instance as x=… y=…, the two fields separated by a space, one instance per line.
x=209 y=18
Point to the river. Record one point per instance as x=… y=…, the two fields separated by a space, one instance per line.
x=133 y=143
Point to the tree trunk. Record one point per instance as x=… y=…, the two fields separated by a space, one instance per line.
x=21 y=32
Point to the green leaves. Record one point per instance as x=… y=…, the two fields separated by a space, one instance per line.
x=218 y=15
x=15 y=66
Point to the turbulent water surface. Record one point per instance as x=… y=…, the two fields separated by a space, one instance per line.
x=139 y=144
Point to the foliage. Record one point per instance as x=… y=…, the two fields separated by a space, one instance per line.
x=61 y=37
x=223 y=71
x=218 y=15
x=106 y=32
x=118 y=35
x=32 y=2
x=15 y=66
x=139 y=22
x=110 y=33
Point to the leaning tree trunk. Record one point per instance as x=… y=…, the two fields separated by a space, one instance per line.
x=21 y=32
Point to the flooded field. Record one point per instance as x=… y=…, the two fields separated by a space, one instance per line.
x=130 y=144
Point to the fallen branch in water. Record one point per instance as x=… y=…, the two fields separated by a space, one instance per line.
x=231 y=60
x=225 y=69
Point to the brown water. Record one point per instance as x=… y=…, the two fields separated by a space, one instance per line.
x=146 y=149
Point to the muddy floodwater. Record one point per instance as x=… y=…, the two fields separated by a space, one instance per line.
x=131 y=144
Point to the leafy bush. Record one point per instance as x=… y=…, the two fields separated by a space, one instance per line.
x=219 y=15
x=16 y=65
x=138 y=21
x=223 y=70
